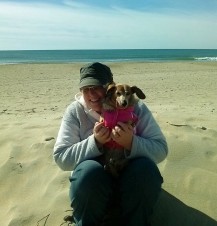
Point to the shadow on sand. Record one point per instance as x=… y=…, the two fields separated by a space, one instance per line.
x=170 y=211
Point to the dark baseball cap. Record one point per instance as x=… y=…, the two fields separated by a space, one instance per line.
x=95 y=74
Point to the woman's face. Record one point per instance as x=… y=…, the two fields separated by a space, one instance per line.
x=93 y=96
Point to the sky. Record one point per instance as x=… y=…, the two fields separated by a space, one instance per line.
x=108 y=24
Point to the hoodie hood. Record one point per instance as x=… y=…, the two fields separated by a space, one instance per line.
x=79 y=98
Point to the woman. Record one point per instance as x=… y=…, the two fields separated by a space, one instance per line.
x=80 y=144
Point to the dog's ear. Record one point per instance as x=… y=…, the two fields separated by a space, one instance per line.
x=138 y=92
x=110 y=90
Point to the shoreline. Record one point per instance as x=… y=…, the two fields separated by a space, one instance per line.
x=110 y=62
x=107 y=55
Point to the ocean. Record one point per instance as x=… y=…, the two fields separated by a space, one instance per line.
x=113 y=55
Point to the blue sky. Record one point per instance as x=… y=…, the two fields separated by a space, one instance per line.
x=103 y=24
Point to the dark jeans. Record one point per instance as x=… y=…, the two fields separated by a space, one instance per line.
x=138 y=188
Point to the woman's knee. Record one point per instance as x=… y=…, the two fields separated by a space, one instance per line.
x=142 y=172
x=88 y=177
x=85 y=172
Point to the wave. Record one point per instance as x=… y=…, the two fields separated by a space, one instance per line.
x=206 y=58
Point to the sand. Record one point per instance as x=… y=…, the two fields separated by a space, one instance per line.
x=182 y=97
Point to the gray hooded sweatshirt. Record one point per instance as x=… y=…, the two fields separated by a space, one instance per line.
x=76 y=143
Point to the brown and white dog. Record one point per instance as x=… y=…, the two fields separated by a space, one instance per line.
x=118 y=106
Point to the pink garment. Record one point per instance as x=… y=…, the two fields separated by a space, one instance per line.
x=111 y=118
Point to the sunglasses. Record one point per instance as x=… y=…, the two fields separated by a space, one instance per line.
x=91 y=88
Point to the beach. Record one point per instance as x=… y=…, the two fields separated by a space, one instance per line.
x=182 y=98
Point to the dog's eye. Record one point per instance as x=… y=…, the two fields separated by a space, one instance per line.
x=127 y=93
x=118 y=94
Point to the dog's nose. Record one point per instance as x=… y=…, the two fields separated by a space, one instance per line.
x=124 y=103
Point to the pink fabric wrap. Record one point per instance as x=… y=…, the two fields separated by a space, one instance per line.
x=111 y=118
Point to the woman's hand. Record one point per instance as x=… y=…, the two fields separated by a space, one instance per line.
x=123 y=135
x=101 y=133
